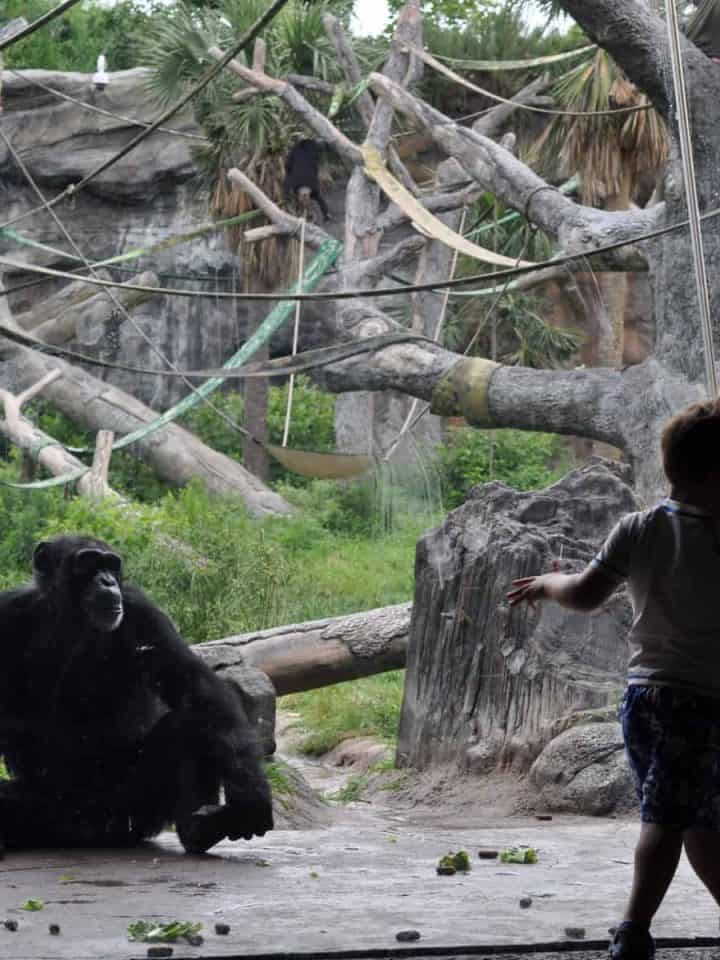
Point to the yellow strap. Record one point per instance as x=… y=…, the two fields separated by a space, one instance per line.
x=321 y=466
x=423 y=220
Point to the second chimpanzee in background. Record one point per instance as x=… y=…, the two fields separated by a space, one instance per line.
x=302 y=175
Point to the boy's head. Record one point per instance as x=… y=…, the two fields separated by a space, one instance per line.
x=691 y=445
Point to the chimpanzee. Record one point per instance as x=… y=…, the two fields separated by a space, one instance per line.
x=301 y=174
x=110 y=726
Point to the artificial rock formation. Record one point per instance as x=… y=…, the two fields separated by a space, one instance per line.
x=485 y=683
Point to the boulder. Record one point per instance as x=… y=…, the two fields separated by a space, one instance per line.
x=585 y=770
x=256 y=691
x=151 y=194
x=485 y=682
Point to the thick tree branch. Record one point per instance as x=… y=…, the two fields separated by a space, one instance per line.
x=636 y=38
x=364 y=103
x=363 y=273
x=575 y=227
x=295 y=100
x=491 y=124
x=393 y=216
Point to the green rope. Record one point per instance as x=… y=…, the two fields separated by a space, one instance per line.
x=325 y=258
x=135 y=254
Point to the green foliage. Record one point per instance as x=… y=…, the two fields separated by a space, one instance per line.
x=312 y=424
x=76 y=39
x=32 y=906
x=353 y=788
x=524 y=461
x=366 y=707
x=175 y=49
x=4 y=775
x=150 y=931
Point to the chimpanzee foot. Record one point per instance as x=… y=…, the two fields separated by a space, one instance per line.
x=203 y=829
x=211 y=823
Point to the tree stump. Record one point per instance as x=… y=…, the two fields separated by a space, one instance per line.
x=486 y=682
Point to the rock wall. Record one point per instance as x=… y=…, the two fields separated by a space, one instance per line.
x=486 y=683
x=147 y=196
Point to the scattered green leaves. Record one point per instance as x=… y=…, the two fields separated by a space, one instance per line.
x=460 y=861
x=519 y=855
x=33 y=905
x=149 y=931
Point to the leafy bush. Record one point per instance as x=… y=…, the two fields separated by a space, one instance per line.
x=74 y=40
x=524 y=461
x=312 y=424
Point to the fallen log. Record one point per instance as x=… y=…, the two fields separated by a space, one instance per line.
x=304 y=656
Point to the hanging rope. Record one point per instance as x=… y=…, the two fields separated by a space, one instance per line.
x=410 y=418
x=492 y=66
x=691 y=196
x=296 y=334
x=461 y=81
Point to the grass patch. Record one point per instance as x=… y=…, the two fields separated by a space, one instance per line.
x=359 y=708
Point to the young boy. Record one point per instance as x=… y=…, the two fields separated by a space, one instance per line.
x=670 y=557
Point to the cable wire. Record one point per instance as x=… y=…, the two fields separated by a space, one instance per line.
x=198 y=87
x=90 y=107
x=691 y=196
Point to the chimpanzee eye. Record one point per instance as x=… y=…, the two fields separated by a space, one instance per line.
x=86 y=562
x=112 y=562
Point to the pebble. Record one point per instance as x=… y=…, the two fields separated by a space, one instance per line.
x=525 y=902
x=11 y=925
x=445 y=871
x=222 y=929
x=575 y=933
x=160 y=951
x=488 y=854
x=54 y=929
x=195 y=940
x=405 y=936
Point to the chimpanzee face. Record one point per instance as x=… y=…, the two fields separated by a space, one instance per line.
x=81 y=574
x=97 y=575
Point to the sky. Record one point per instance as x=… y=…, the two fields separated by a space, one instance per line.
x=371 y=16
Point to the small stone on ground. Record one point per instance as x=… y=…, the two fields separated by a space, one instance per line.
x=406 y=936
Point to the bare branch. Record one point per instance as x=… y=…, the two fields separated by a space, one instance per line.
x=295 y=100
x=284 y=222
x=575 y=227
x=491 y=124
x=310 y=83
x=364 y=102
x=393 y=216
x=27 y=395
x=367 y=272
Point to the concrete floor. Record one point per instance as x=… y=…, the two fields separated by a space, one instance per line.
x=352 y=886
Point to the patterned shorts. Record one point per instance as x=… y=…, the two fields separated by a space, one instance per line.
x=672 y=739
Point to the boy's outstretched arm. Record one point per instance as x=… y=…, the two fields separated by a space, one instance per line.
x=578 y=591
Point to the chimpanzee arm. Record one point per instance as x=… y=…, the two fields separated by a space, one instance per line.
x=186 y=683
x=15 y=623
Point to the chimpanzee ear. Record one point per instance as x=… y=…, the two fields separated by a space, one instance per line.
x=42 y=557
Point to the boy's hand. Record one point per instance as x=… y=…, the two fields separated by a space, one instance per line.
x=531 y=589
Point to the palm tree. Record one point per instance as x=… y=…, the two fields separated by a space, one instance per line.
x=254 y=133
x=617 y=159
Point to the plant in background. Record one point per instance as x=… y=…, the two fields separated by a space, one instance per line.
x=524 y=461
x=74 y=41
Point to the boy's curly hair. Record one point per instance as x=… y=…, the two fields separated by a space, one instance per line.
x=691 y=443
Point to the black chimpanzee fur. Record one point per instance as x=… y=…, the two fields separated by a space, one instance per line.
x=109 y=725
x=301 y=173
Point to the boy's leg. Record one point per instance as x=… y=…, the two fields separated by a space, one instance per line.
x=703 y=851
x=657 y=855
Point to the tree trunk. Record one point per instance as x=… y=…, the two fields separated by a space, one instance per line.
x=485 y=682
x=303 y=656
x=173 y=452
